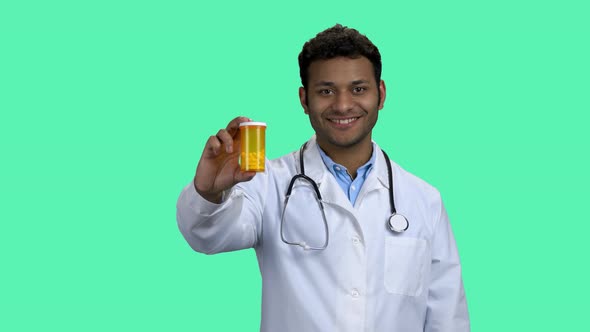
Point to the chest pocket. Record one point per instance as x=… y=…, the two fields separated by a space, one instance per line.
x=405 y=265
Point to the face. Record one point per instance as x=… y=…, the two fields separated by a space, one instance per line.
x=342 y=101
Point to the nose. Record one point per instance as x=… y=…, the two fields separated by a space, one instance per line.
x=343 y=102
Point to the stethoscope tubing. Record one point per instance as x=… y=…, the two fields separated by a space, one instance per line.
x=302 y=174
x=392 y=221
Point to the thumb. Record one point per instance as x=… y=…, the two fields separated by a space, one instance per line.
x=244 y=176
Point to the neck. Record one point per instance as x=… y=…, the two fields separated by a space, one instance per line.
x=351 y=157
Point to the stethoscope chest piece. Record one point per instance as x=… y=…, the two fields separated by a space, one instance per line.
x=398 y=223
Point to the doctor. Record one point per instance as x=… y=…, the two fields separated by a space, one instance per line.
x=335 y=264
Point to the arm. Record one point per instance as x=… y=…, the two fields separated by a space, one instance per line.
x=214 y=213
x=447 y=306
x=212 y=228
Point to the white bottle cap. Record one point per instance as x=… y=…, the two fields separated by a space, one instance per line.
x=261 y=124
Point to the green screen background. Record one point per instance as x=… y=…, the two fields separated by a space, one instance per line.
x=106 y=105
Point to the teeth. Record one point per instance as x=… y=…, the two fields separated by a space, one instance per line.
x=343 y=121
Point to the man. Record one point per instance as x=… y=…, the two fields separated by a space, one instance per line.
x=341 y=266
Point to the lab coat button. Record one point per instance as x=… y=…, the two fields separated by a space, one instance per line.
x=356 y=240
x=354 y=292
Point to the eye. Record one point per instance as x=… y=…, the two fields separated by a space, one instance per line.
x=359 y=89
x=325 y=92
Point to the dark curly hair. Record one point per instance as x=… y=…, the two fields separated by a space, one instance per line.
x=334 y=42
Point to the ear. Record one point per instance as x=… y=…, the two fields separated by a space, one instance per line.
x=303 y=99
x=381 y=94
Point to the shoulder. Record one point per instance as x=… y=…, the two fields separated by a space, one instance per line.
x=408 y=182
x=414 y=191
x=415 y=183
x=421 y=200
x=284 y=163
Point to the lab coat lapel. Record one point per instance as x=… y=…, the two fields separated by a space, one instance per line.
x=378 y=178
x=316 y=169
x=332 y=193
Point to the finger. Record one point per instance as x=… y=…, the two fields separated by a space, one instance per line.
x=234 y=125
x=213 y=145
x=226 y=139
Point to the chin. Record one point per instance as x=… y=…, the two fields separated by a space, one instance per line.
x=344 y=142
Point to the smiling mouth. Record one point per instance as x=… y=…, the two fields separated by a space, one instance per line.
x=344 y=121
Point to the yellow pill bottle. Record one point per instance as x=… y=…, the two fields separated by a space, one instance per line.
x=252 y=139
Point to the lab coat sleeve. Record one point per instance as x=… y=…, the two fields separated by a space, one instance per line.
x=212 y=228
x=447 y=306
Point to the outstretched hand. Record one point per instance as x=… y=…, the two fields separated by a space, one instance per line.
x=219 y=167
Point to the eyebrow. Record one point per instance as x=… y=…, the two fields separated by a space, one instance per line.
x=329 y=83
x=324 y=83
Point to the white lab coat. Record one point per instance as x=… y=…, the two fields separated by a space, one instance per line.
x=368 y=278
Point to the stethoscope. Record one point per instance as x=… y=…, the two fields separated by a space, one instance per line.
x=397 y=223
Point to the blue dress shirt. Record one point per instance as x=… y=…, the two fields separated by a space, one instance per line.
x=351 y=187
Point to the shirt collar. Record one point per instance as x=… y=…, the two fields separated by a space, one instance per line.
x=316 y=169
x=333 y=167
